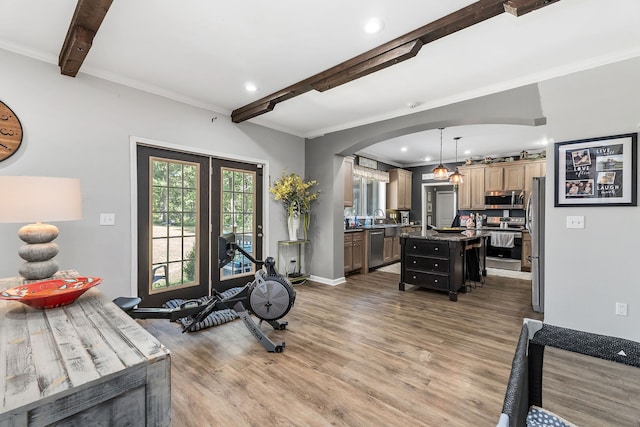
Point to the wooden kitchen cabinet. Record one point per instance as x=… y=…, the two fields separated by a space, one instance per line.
x=353 y=251
x=479 y=179
x=395 y=248
x=513 y=177
x=493 y=179
x=388 y=250
x=471 y=191
x=399 y=189
x=533 y=169
x=525 y=262
x=348 y=182
x=502 y=178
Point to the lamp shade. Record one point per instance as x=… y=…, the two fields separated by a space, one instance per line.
x=39 y=199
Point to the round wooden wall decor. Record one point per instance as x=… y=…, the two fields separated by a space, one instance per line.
x=10 y=132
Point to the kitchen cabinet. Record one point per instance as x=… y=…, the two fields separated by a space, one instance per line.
x=399 y=189
x=395 y=249
x=388 y=250
x=525 y=262
x=533 y=169
x=478 y=179
x=471 y=191
x=348 y=182
x=507 y=177
x=353 y=251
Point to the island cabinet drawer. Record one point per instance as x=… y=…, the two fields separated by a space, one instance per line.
x=427 y=264
x=428 y=248
x=424 y=279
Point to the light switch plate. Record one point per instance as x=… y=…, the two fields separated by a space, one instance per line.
x=107 y=219
x=575 y=221
x=621 y=309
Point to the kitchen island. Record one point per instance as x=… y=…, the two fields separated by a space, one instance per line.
x=436 y=261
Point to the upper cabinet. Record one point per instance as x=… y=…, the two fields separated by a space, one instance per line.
x=507 y=177
x=478 y=179
x=348 y=182
x=399 y=189
x=471 y=191
x=533 y=169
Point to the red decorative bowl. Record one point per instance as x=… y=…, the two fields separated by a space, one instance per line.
x=50 y=293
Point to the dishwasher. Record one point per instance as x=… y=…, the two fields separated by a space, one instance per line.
x=376 y=248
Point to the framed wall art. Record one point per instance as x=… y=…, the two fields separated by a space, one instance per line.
x=597 y=171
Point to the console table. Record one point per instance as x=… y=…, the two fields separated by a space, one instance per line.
x=86 y=363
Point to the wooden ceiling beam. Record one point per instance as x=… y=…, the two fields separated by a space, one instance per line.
x=84 y=25
x=390 y=53
x=520 y=7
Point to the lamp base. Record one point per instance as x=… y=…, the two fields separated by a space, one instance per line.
x=38 y=270
x=39 y=251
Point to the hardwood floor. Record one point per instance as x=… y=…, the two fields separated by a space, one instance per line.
x=365 y=354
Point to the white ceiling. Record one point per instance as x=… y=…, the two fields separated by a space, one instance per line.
x=202 y=52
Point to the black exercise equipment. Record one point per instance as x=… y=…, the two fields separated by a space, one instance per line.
x=269 y=296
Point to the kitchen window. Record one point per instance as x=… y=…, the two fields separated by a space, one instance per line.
x=369 y=195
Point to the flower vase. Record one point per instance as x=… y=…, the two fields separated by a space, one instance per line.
x=293 y=223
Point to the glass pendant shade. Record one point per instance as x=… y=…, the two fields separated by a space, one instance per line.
x=440 y=172
x=456 y=177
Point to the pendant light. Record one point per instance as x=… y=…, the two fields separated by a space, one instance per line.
x=456 y=177
x=440 y=173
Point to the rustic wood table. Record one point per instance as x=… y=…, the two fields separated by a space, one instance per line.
x=86 y=363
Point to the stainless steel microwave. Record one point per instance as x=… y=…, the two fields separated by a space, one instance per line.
x=513 y=199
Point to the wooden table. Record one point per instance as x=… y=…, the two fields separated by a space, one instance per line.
x=87 y=363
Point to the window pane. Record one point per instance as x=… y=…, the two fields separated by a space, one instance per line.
x=175 y=174
x=175 y=189
x=237 y=216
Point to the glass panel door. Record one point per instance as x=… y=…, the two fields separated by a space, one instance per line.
x=239 y=203
x=173 y=226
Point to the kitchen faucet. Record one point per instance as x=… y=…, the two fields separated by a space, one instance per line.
x=381 y=213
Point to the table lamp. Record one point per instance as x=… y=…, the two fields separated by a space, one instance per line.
x=36 y=199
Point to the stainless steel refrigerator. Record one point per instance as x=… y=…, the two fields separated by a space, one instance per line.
x=535 y=226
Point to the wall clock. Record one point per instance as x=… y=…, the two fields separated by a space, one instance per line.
x=10 y=132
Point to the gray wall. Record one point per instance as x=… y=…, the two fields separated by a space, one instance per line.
x=81 y=128
x=589 y=270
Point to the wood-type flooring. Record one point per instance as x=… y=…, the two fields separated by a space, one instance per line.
x=366 y=354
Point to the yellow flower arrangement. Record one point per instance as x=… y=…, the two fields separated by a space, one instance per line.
x=296 y=194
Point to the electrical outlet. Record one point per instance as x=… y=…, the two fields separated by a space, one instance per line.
x=621 y=309
x=107 y=219
x=575 y=221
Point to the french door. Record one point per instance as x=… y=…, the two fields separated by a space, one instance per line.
x=185 y=201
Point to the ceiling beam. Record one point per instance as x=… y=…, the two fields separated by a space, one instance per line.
x=390 y=53
x=520 y=7
x=84 y=25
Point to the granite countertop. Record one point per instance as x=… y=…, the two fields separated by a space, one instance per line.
x=377 y=227
x=451 y=237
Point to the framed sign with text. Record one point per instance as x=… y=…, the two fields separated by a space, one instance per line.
x=597 y=171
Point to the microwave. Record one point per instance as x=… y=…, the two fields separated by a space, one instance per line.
x=513 y=199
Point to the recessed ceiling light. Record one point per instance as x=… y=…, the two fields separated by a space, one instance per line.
x=467 y=152
x=373 y=26
x=250 y=87
x=427 y=159
x=403 y=149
